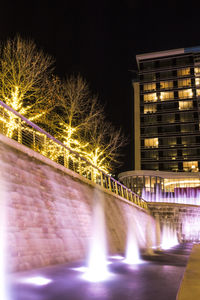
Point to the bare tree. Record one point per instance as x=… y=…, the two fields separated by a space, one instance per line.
x=103 y=150
x=76 y=113
x=81 y=125
x=25 y=83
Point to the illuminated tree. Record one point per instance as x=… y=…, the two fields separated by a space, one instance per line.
x=103 y=151
x=25 y=83
x=77 y=112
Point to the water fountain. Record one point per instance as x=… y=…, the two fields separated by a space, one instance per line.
x=3 y=290
x=132 y=255
x=97 y=263
x=179 y=195
x=149 y=237
x=158 y=233
x=169 y=236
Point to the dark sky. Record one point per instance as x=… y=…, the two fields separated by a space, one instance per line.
x=99 y=40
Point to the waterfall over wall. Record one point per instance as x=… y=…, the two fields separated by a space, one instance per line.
x=49 y=210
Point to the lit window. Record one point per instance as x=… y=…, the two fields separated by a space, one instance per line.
x=197 y=81
x=151 y=143
x=150 y=108
x=185 y=94
x=185 y=105
x=149 y=86
x=189 y=166
x=198 y=92
x=150 y=97
x=166 y=84
x=183 y=72
x=184 y=82
x=166 y=96
x=197 y=70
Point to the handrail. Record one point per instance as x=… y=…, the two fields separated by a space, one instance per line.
x=19 y=128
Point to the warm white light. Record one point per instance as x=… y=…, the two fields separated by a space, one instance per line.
x=38 y=280
x=117 y=257
x=96 y=274
x=182 y=182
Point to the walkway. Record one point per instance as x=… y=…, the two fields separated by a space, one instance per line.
x=158 y=278
x=190 y=286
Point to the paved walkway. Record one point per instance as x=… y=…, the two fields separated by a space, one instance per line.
x=190 y=285
x=158 y=278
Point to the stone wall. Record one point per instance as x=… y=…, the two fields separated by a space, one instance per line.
x=49 y=210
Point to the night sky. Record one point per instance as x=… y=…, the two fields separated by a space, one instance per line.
x=99 y=40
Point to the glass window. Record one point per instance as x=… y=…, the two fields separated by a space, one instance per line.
x=149 y=76
x=150 y=108
x=151 y=154
x=150 y=119
x=166 y=96
x=182 y=61
x=185 y=94
x=186 y=117
x=150 y=97
x=185 y=105
x=166 y=84
x=197 y=81
x=171 y=128
x=150 y=130
x=169 y=118
x=170 y=154
x=149 y=87
x=165 y=63
x=148 y=65
x=184 y=82
x=183 y=72
x=188 y=140
x=166 y=74
x=173 y=166
x=189 y=152
x=198 y=92
x=197 y=70
x=190 y=166
x=171 y=141
x=151 y=166
x=187 y=128
x=151 y=143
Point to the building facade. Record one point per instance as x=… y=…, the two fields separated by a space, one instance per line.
x=167 y=111
x=167 y=127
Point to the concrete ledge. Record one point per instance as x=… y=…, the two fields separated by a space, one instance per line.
x=190 y=287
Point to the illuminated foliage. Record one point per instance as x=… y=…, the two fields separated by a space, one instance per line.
x=104 y=146
x=66 y=109
x=24 y=81
x=80 y=125
x=76 y=113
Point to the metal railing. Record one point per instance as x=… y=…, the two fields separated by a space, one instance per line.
x=20 y=129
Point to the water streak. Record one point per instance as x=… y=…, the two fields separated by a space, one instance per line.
x=132 y=249
x=97 y=264
x=3 y=290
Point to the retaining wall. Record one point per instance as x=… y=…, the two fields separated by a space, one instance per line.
x=49 y=211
